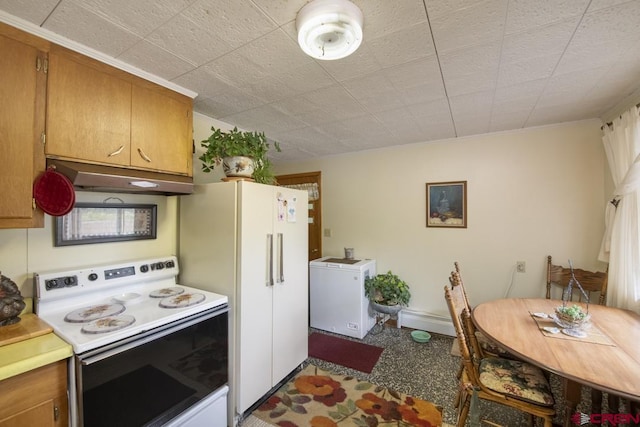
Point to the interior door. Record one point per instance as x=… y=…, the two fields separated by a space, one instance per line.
x=255 y=293
x=312 y=181
x=290 y=291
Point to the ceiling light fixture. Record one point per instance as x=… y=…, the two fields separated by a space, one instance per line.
x=329 y=29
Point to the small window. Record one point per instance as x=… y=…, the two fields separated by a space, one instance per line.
x=100 y=223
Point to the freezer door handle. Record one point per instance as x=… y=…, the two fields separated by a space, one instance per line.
x=280 y=257
x=270 y=260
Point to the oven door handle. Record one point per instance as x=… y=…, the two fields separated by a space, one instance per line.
x=145 y=337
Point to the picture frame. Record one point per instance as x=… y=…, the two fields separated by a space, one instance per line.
x=447 y=204
x=89 y=223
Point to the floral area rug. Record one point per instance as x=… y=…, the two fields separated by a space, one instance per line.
x=317 y=398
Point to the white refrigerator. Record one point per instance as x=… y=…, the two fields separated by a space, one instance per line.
x=249 y=241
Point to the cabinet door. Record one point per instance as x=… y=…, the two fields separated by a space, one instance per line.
x=36 y=398
x=22 y=98
x=161 y=130
x=88 y=111
x=291 y=290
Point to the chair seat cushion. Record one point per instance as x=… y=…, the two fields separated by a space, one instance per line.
x=517 y=379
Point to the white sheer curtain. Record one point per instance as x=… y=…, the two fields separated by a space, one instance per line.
x=621 y=242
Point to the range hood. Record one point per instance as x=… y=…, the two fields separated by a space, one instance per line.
x=90 y=177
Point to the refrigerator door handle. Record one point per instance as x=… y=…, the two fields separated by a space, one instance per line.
x=270 y=260
x=280 y=257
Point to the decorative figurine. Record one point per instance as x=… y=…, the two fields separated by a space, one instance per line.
x=11 y=302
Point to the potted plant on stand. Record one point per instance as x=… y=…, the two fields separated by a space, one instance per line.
x=242 y=154
x=387 y=293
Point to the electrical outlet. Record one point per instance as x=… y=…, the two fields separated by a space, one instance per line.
x=327 y=232
x=521 y=267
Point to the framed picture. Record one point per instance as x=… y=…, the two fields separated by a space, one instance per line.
x=447 y=204
x=105 y=222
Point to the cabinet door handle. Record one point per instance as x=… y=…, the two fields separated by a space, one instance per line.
x=270 y=260
x=56 y=413
x=115 y=153
x=144 y=156
x=280 y=256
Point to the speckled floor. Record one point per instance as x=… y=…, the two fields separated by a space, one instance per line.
x=428 y=371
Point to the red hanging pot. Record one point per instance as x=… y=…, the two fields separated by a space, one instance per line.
x=54 y=192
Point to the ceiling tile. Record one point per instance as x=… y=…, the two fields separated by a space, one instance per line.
x=226 y=68
x=236 y=22
x=472 y=69
x=187 y=40
x=476 y=106
x=140 y=17
x=539 y=41
x=202 y=82
x=83 y=26
x=148 y=56
x=32 y=11
x=280 y=11
x=231 y=102
x=274 y=53
x=526 y=14
x=480 y=23
x=405 y=45
x=527 y=69
x=361 y=62
x=384 y=17
x=306 y=77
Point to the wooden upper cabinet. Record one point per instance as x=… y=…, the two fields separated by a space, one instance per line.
x=88 y=111
x=100 y=114
x=161 y=130
x=22 y=102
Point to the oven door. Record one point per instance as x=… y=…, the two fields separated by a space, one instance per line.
x=155 y=377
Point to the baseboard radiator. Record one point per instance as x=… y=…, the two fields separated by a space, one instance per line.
x=427 y=322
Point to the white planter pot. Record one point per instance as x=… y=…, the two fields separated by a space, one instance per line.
x=238 y=166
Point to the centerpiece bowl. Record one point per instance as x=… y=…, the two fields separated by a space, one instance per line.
x=572 y=319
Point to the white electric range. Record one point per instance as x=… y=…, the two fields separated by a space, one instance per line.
x=132 y=324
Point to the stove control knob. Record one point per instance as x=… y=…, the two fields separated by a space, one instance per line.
x=93 y=277
x=70 y=281
x=159 y=265
x=169 y=264
x=51 y=284
x=144 y=268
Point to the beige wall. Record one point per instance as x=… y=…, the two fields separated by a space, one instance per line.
x=531 y=193
x=25 y=251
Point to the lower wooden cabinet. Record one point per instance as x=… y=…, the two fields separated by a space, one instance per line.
x=36 y=398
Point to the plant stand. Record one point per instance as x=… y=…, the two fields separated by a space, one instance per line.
x=383 y=312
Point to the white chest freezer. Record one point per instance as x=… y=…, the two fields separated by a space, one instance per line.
x=336 y=295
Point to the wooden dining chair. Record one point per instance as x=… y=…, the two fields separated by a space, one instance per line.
x=512 y=383
x=594 y=283
x=489 y=348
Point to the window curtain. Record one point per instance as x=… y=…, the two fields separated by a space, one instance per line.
x=621 y=242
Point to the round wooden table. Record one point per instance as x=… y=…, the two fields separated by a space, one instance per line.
x=610 y=363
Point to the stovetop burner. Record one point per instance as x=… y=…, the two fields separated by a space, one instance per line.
x=167 y=292
x=108 y=324
x=182 y=300
x=91 y=313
